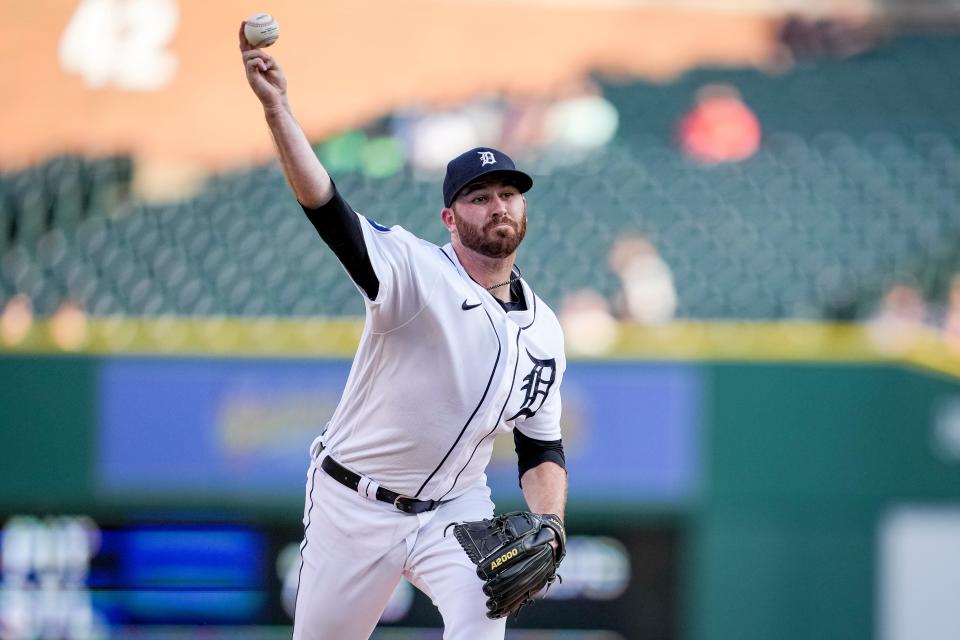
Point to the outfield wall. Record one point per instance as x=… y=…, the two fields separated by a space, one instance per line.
x=758 y=498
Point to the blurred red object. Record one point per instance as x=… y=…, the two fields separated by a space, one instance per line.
x=720 y=128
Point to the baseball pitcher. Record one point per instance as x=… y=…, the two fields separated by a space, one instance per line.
x=456 y=349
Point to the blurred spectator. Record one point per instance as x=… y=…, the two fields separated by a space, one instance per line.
x=588 y=326
x=647 y=292
x=579 y=119
x=804 y=37
x=17 y=320
x=899 y=319
x=431 y=138
x=523 y=123
x=68 y=326
x=720 y=128
x=570 y=121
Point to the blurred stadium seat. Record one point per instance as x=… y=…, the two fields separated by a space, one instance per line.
x=853 y=190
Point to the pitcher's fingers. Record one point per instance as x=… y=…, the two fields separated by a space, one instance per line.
x=255 y=64
x=244 y=45
x=257 y=53
x=266 y=56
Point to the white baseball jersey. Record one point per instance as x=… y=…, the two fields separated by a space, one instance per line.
x=440 y=370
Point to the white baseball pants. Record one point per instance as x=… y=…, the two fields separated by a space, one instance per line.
x=355 y=550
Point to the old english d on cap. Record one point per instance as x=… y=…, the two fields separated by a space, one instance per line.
x=481 y=161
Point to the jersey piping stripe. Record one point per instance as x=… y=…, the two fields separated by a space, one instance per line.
x=515 y=268
x=496 y=423
x=447 y=257
x=483 y=398
x=313 y=480
x=534 y=318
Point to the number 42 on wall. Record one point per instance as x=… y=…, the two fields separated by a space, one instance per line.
x=121 y=44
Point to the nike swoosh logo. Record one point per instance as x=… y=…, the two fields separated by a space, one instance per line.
x=467 y=307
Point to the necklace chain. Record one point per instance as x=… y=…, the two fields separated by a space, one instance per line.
x=513 y=278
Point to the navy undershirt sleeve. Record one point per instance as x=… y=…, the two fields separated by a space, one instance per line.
x=532 y=452
x=339 y=226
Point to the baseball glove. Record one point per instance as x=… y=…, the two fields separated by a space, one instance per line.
x=514 y=557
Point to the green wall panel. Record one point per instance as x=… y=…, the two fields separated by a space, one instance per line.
x=47 y=412
x=835 y=433
x=788 y=574
x=801 y=464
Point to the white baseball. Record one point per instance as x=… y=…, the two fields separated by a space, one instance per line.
x=261 y=30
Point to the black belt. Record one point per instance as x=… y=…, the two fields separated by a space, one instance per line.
x=351 y=480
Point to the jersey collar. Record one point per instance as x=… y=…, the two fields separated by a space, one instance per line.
x=523 y=318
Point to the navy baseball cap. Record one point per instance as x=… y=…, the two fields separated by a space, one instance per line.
x=478 y=162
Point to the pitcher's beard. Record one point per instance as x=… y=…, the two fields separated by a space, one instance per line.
x=491 y=243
